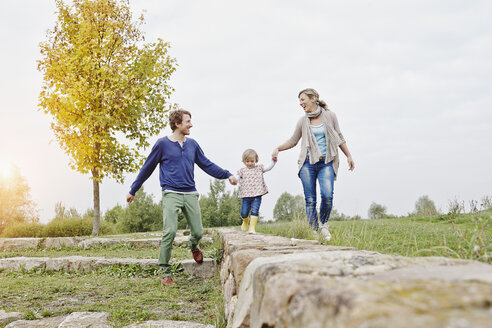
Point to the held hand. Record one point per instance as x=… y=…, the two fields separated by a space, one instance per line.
x=275 y=154
x=233 y=180
x=129 y=198
x=351 y=163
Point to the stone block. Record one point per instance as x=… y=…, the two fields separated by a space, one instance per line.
x=6 y=317
x=16 y=244
x=169 y=324
x=205 y=270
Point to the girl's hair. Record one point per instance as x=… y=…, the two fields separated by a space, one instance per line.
x=176 y=117
x=311 y=93
x=250 y=154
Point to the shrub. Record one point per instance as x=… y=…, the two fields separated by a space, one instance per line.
x=23 y=229
x=376 y=211
x=424 y=206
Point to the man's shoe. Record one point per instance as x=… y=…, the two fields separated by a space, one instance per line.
x=167 y=280
x=325 y=232
x=197 y=255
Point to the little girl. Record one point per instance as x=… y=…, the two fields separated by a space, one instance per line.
x=251 y=188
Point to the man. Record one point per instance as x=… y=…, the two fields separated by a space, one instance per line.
x=176 y=155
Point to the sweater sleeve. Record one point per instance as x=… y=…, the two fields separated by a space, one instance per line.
x=208 y=167
x=296 y=136
x=337 y=127
x=269 y=167
x=148 y=168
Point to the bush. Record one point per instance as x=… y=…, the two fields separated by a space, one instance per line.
x=424 y=206
x=141 y=215
x=376 y=211
x=23 y=229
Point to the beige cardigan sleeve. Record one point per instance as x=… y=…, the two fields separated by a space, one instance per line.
x=336 y=126
x=296 y=136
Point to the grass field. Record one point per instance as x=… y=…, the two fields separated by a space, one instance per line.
x=129 y=294
x=133 y=294
x=464 y=236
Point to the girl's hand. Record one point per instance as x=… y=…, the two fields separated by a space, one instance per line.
x=275 y=154
x=351 y=163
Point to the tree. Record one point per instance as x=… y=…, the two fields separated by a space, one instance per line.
x=220 y=208
x=288 y=207
x=15 y=200
x=102 y=85
x=376 y=211
x=424 y=206
x=141 y=215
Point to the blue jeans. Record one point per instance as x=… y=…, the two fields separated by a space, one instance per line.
x=325 y=175
x=250 y=204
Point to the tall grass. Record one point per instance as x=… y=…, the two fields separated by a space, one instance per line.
x=58 y=227
x=466 y=236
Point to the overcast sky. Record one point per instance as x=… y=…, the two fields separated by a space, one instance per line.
x=410 y=82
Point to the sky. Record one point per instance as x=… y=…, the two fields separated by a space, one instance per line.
x=410 y=83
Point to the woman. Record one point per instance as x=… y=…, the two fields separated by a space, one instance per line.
x=318 y=159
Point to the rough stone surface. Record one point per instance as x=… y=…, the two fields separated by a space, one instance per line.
x=169 y=324
x=59 y=242
x=6 y=317
x=73 y=320
x=86 y=319
x=206 y=269
x=286 y=283
x=15 y=244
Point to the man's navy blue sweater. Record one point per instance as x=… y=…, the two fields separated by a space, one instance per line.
x=177 y=165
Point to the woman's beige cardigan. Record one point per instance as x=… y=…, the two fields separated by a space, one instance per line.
x=331 y=118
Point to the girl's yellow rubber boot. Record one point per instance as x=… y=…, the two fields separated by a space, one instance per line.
x=252 y=224
x=244 y=226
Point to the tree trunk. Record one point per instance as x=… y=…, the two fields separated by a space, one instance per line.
x=97 y=209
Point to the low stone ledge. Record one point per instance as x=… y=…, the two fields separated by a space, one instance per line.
x=306 y=285
x=6 y=317
x=169 y=324
x=205 y=270
x=16 y=244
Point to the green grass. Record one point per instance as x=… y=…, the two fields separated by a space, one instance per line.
x=464 y=236
x=130 y=294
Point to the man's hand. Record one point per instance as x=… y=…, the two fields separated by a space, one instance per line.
x=129 y=198
x=233 y=180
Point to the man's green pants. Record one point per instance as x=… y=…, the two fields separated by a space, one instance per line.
x=171 y=204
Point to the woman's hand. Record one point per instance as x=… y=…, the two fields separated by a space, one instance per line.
x=275 y=154
x=351 y=163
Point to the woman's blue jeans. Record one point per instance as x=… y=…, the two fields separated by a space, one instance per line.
x=250 y=204
x=325 y=175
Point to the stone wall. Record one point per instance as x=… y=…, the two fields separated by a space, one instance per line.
x=271 y=281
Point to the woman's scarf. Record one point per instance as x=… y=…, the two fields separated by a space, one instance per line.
x=332 y=138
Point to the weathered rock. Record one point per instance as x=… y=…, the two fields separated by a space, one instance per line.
x=86 y=319
x=15 y=244
x=59 y=242
x=169 y=324
x=183 y=240
x=6 y=317
x=53 y=322
x=205 y=270
x=92 y=242
x=22 y=263
x=75 y=263
x=73 y=320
